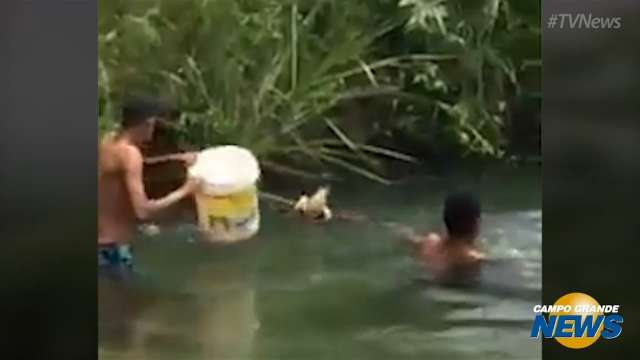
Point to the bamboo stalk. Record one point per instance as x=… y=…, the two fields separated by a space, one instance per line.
x=294 y=46
x=276 y=198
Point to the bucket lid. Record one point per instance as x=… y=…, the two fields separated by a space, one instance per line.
x=226 y=166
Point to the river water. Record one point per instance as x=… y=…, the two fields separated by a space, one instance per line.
x=338 y=290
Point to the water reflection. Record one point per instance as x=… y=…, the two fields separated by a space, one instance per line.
x=203 y=309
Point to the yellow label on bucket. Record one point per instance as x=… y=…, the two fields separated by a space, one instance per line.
x=236 y=205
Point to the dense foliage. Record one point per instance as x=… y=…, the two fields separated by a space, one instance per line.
x=309 y=83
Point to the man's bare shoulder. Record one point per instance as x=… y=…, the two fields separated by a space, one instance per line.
x=429 y=243
x=429 y=248
x=131 y=158
x=476 y=255
x=116 y=154
x=432 y=238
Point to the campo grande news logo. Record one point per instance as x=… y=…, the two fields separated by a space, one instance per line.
x=577 y=321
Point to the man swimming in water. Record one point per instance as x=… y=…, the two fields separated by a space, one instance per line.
x=453 y=254
x=122 y=200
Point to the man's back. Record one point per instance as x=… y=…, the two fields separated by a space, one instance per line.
x=116 y=218
x=447 y=258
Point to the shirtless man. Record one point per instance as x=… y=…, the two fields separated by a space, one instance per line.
x=453 y=254
x=122 y=200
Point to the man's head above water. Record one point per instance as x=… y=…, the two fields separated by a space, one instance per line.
x=461 y=216
x=455 y=253
x=140 y=115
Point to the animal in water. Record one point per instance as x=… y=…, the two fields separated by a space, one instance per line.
x=315 y=206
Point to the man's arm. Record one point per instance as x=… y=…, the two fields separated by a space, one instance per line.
x=188 y=158
x=405 y=232
x=143 y=206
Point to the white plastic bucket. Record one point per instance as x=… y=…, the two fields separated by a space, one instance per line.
x=227 y=202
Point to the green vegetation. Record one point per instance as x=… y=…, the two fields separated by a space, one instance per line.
x=311 y=83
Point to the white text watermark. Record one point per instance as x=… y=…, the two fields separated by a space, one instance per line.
x=583 y=21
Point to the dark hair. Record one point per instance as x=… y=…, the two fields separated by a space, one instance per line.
x=136 y=110
x=461 y=213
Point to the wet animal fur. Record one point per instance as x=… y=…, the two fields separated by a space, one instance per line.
x=315 y=206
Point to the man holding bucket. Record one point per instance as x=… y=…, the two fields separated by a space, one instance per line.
x=122 y=200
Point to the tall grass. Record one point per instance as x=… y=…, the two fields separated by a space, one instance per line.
x=269 y=74
x=494 y=42
x=263 y=74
